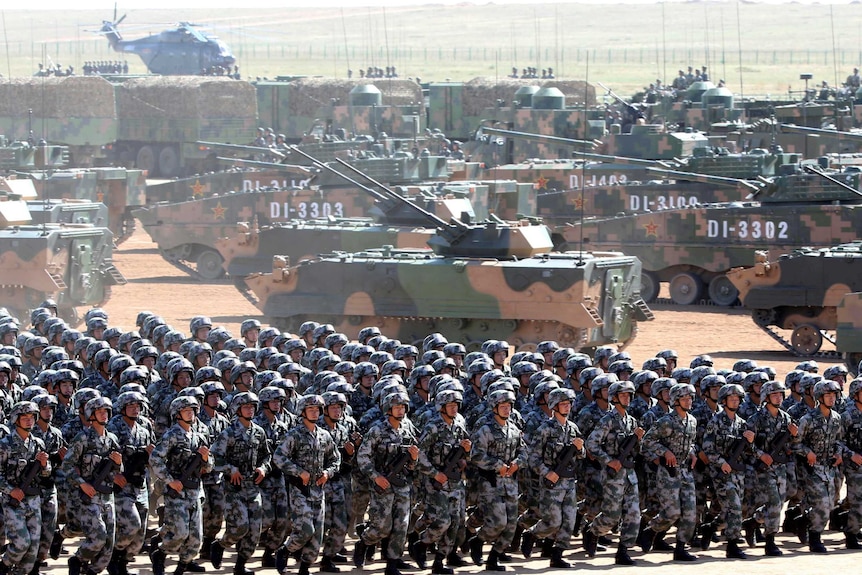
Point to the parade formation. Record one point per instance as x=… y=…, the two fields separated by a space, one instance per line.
x=288 y=446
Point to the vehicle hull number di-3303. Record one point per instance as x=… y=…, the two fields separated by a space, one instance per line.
x=748 y=230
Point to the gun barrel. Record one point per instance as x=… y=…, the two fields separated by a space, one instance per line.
x=705 y=178
x=794 y=129
x=539 y=137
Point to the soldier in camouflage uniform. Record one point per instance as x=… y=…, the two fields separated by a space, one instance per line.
x=619 y=480
x=364 y=376
x=131 y=497
x=273 y=490
x=308 y=458
x=22 y=510
x=93 y=457
x=242 y=455
x=851 y=420
x=443 y=438
x=587 y=420
x=178 y=461
x=772 y=429
x=819 y=442
x=387 y=443
x=554 y=449
x=55 y=446
x=726 y=442
x=669 y=445
x=498 y=452
x=213 y=486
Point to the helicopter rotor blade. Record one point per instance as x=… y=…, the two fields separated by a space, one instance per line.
x=123 y=17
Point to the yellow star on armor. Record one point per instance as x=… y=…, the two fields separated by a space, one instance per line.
x=100 y=197
x=651 y=229
x=197 y=189
x=541 y=183
x=219 y=211
x=578 y=202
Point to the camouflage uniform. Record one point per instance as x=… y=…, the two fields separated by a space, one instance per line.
x=558 y=503
x=313 y=451
x=823 y=436
x=95 y=514
x=494 y=446
x=54 y=442
x=132 y=501
x=213 y=483
x=23 y=521
x=772 y=480
x=242 y=449
x=361 y=494
x=718 y=442
x=388 y=512
x=676 y=494
x=591 y=484
x=337 y=489
x=851 y=420
x=273 y=491
x=620 y=489
x=183 y=527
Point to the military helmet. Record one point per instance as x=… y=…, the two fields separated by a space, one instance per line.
x=753 y=379
x=119 y=363
x=45 y=400
x=378 y=358
x=642 y=378
x=712 y=380
x=824 y=387
x=621 y=366
x=333 y=398
x=95 y=404
x=447 y=396
x=198 y=322
x=771 y=387
x=855 y=387
x=82 y=396
x=137 y=387
x=365 y=368
x=559 y=395
x=698 y=373
x=22 y=408
x=248 y=325
x=834 y=371
x=145 y=351
x=376 y=341
x=729 y=389
x=181 y=402
x=243 y=398
x=178 y=366
x=241 y=368
x=135 y=374
x=268 y=333
x=619 y=387
x=127 y=338
x=545 y=387
x=403 y=351
x=793 y=378
x=311 y=400
x=498 y=397
x=394 y=366
x=271 y=393
x=104 y=355
x=808 y=365
x=524 y=368
x=226 y=364
x=211 y=387
x=359 y=350
x=601 y=382
x=433 y=341
x=129 y=397
x=207 y=373
x=479 y=366
x=660 y=385
x=387 y=345
x=547 y=346
x=107 y=335
x=62 y=375
x=700 y=360
x=142 y=317
x=454 y=348
x=602 y=353
x=679 y=391
x=655 y=363
x=561 y=356
x=31 y=391
x=667 y=354
x=334 y=339
x=366 y=333
x=808 y=381
x=588 y=374
x=393 y=399
x=488 y=378
x=265 y=378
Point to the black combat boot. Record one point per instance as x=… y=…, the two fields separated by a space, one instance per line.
x=303 y=568
x=659 y=544
x=268 y=559
x=680 y=553
x=123 y=565
x=557 y=561
x=216 y=554
x=157 y=558
x=493 y=564
x=771 y=549
x=707 y=531
x=281 y=559
x=33 y=571
x=734 y=552
x=622 y=557
x=181 y=568
x=4 y=569
x=851 y=540
x=392 y=567
x=437 y=568
x=516 y=540
x=646 y=539
x=455 y=560
x=56 y=544
x=528 y=540
x=476 y=550
x=591 y=541
x=815 y=545
x=327 y=565
x=205 y=547
x=239 y=567
x=547 y=547
x=419 y=553
x=193 y=567
x=359 y=549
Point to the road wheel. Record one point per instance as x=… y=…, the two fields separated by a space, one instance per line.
x=146 y=160
x=650 y=286
x=686 y=288
x=806 y=339
x=722 y=292
x=209 y=265
x=169 y=162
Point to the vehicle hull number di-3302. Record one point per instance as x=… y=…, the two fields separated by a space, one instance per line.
x=748 y=230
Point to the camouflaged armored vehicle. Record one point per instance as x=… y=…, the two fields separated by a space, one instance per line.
x=800 y=291
x=71 y=263
x=26 y=155
x=692 y=248
x=478 y=281
x=848 y=333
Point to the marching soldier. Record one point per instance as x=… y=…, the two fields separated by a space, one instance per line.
x=614 y=444
x=55 y=446
x=213 y=486
x=308 y=458
x=178 y=461
x=852 y=423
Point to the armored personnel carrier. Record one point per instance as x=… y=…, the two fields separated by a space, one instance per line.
x=71 y=263
x=800 y=292
x=692 y=248
x=478 y=281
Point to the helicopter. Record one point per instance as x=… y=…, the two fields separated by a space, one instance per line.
x=184 y=50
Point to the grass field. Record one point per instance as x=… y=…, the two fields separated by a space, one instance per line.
x=625 y=46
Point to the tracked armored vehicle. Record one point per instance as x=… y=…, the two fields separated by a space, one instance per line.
x=848 y=334
x=71 y=263
x=692 y=248
x=478 y=281
x=800 y=292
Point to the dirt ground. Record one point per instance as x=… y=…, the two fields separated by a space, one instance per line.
x=726 y=335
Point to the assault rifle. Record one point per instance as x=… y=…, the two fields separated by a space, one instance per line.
x=452 y=465
x=778 y=451
x=135 y=460
x=625 y=456
x=735 y=458
x=296 y=481
x=29 y=483
x=103 y=476
x=190 y=474
x=563 y=467
x=395 y=474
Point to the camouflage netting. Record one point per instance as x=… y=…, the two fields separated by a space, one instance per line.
x=307 y=95
x=186 y=97
x=75 y=97
x=481 y=93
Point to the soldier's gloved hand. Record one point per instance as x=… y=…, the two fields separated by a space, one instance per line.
x=305 y=477
x=88 y=489
x=749 y=436
x=413 y=450
x=116 y=457
x=42 y=458
x=205 y=452
x=120 y=480
x=578 y=443
x=811 y=458
x=857 y=459
x=793 y=429
x=467 y=445
x=17 y=494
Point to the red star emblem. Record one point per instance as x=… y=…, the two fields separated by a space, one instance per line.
x=100 y=197
x=651 y=229
x=197 y=189
x=219 y=211
x=578 y=202
x=541 y=183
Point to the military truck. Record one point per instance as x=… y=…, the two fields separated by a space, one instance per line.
x=71 y=263
x=478 y=281
x=692 y=248
x=800 y=291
